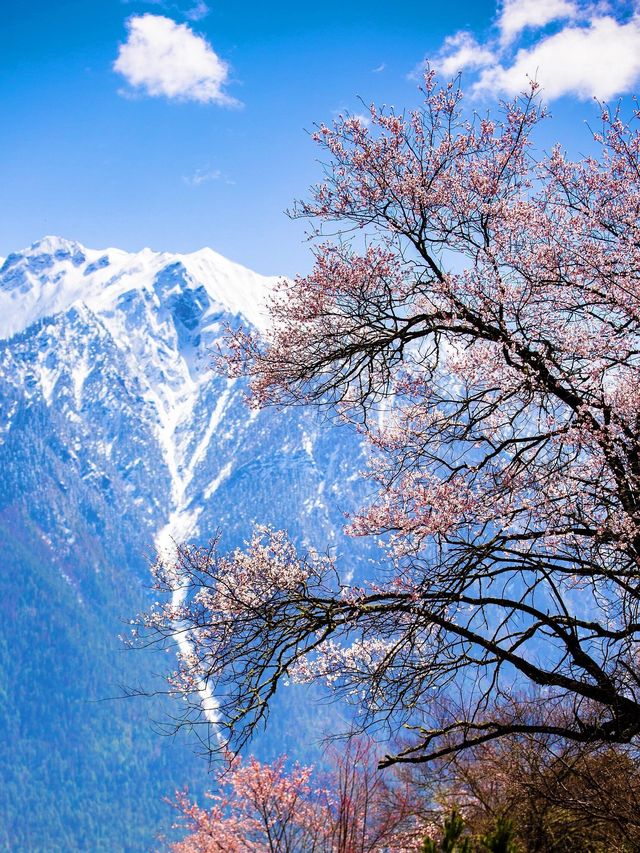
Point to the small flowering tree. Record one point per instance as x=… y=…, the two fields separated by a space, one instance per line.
x=265 y=807
x=478 y=318
x=260 y=807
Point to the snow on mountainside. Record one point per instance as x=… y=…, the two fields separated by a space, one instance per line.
x=91 y=329
x=55 y=274
x=116 y=439
x=162 y=312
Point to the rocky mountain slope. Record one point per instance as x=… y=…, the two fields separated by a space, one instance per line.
x=116 y=439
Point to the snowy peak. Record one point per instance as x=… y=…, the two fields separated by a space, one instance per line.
x=153 y=318
x=57 y=246
x=55 y=275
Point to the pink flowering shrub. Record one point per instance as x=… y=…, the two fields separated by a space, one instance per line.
x=264 y=807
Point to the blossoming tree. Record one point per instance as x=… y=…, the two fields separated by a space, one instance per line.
x=477 y=315
x=265 y=807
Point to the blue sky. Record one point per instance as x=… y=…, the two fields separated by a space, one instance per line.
x=181 y=124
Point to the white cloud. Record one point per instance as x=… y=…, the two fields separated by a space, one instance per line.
x=164 y=59
x=593 y=49
x=197 y=12
x=202 y=176
x=601 y=59
x=462 y=51
x=517 y=15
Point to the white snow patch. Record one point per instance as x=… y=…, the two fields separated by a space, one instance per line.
x=214 y=422
x=6 y=426
x=307 y=444
x=48 y=379
x=79 y=375
x=181 y=526
x=215 y=484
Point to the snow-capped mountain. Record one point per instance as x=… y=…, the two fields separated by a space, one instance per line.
x=115 y=439
x=120 y=345
x=55 y=274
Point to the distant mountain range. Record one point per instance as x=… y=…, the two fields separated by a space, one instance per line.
x=115 y=439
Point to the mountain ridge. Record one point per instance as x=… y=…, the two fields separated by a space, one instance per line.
x=100 y=276
x=116 y=440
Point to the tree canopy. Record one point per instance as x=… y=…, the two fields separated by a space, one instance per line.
x=475 y=312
